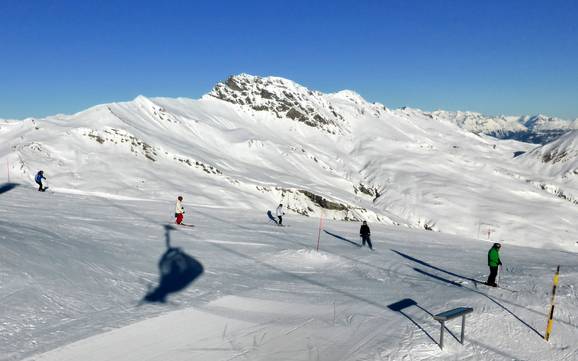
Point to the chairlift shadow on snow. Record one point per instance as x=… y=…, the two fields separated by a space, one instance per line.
x=476 y=282
x=315 y=282
x=177 y=271
x=480 y=293
x=423 y=263
x=342 y=238
x=7 y=187
x=307 y=279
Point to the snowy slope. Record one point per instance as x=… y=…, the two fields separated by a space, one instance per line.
x=72 y=289
x=559 y=157
x=77 y=261
x=254 y=142
x=557 y=164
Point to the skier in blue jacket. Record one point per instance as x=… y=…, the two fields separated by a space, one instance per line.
x=39 y=177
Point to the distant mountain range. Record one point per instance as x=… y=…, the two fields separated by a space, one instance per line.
x=538 y=129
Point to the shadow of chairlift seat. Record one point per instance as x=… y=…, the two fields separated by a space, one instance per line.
x=177 y=271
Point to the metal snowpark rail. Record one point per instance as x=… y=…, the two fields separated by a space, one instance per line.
x=449 y=315
x=551 y=314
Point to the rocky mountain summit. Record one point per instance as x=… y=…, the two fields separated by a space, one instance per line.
x=281 y=97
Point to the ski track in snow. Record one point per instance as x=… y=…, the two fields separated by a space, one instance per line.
x=75 y=268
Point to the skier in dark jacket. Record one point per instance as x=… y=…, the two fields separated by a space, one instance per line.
x=494 y=262
x=39 y=177
x=364 y=232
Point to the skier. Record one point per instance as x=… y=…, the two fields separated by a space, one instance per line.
x=280 y=214
x=39 y=177
x=493 y=262
x=179 y=210
x=364 y=233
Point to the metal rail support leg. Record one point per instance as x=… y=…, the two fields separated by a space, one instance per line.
x=463 y=328
x=442 y=335
x=450 y=315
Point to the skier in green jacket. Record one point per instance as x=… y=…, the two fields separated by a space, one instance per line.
x=494 y=262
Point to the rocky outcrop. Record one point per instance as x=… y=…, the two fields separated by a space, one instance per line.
x=281 y=97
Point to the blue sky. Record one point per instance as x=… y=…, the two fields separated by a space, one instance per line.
x=495 y=57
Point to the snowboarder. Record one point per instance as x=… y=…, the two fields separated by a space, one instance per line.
x=279 y=212
x=494 y=262
x=179 y=210
x=39 y=177
x=364 y=233
x=271 y=218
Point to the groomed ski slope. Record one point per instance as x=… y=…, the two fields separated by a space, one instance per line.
x=75 y=268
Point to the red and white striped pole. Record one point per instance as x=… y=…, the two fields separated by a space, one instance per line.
x=320 y=227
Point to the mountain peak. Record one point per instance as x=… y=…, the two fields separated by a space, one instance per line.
x=282 y=97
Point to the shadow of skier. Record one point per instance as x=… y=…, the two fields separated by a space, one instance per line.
x=342 y=238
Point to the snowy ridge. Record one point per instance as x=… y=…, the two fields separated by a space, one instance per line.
x=560 y=156
x=238 y=147
x=281 y=97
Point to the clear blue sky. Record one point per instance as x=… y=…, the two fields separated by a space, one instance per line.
x=495 y=57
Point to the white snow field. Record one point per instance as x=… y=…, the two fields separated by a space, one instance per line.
x=253 y=142
x=77 y=261
x=75 y=269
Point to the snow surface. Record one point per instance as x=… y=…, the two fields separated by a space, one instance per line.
x=344 y=156
x=72 y=289
x=78 y=262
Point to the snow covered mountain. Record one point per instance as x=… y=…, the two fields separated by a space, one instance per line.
x=539 y=129
x=80 y=263
x=254 y=142
x=281 y=97
x=556 y=166
x=560 y=156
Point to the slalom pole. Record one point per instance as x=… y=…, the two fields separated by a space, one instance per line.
x=319 y=234
x=551 y=314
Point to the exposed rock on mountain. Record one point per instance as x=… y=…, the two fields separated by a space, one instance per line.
x=281 y=97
